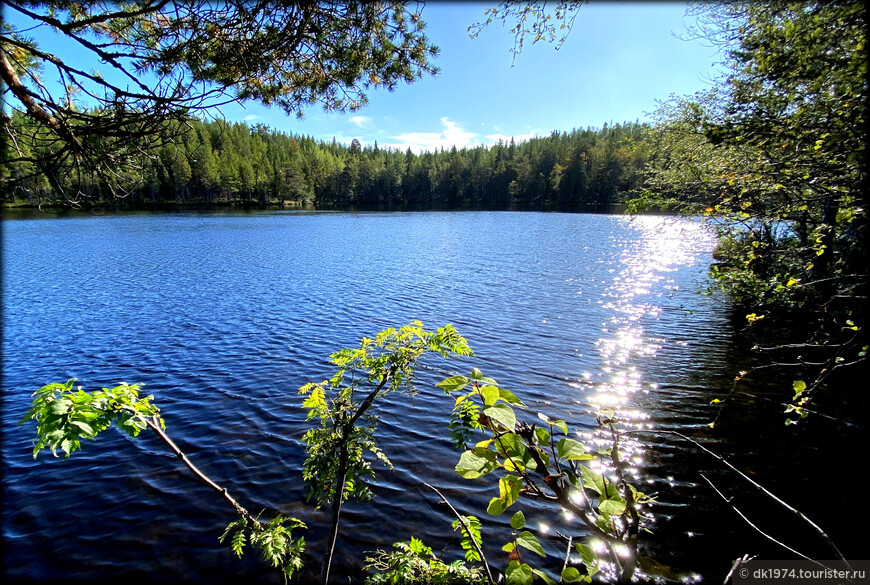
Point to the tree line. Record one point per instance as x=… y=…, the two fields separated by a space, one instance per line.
x=221 y=163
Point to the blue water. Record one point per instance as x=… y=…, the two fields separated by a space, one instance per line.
x=223 y=316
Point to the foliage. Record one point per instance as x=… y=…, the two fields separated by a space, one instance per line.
x=469 y=527
x=335 y=468
x=167 y=61
x=414 y=562
x=531 y=461
x=535 y=461
x=539 y=462
x=776 y=156
x=380 y=366
x=273 y=539
x=65 y=415
x=532 y=19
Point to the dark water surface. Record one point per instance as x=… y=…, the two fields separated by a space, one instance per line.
x=224 y=316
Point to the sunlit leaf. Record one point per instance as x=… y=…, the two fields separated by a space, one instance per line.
x=587 y=554
x=509 y=490
x=473 y=464
x=490 y=394
x=612 y=507
x=503 y=414
x=496 y=506
x=529 y=541
x=518 y=574
x=453 y=384
x=569 y=449
x=592 y=480
x=509 y=397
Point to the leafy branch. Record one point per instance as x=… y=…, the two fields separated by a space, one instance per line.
x=536 y=462
x=65 y=415
x=471 y=531
x=335 y=469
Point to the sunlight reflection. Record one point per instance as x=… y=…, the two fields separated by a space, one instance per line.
x=636 y=297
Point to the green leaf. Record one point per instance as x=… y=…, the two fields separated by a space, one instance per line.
x=315 y=402
x=84 y=427
x=509 y=397
x=476 y=374
x=495 y=507
x=569 y=449
x=518 y=574
x=471 y=536
x=612 y=507
x=490 y=394
x=518 y=520
x=59 y=407
x=509 y=490
x=509 y=547
x=592 y=480
x=473 y=464
x=453 y=384
x=587 y=554
x=416 y=546
x=543 y=435
x=544 y=576
x=510 y=444
x=799 y=386
x=503 y=414
x=528 y=540
x=571 y=575
x=561 y=425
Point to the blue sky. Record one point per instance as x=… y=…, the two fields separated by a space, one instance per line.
x=618 y=60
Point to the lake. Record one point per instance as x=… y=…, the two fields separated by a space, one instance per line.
x=223 y=316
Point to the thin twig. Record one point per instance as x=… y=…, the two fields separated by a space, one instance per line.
x=340 y=476
x=767 y=492
x=154 y=425
x=467 y=530
x=757 y=529
x=567 y=554
x=742 y=560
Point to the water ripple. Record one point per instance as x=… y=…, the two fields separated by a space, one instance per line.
x=224 y=317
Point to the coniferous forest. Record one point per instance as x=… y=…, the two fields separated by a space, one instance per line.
x=217 y=163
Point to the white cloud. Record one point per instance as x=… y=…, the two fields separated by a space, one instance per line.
x=517 y=138
x=451 y=135
x=251 y=117
x=361 y=121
